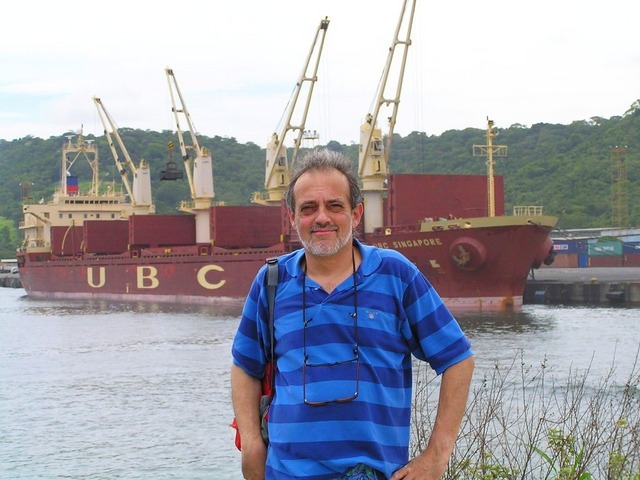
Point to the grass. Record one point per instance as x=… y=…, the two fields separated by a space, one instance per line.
x=522 y=423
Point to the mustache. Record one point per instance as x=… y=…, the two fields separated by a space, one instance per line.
x=324 y=227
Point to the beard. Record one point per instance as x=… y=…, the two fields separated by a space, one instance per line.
x=326 y=248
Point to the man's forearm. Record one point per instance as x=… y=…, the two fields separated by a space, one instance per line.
x=454 y=390
x=245 y=396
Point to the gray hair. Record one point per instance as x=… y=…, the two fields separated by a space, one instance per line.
x=323 y=160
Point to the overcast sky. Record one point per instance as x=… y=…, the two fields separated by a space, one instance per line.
x=237 y=62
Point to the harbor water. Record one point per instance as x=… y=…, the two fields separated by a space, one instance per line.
x=93 y=390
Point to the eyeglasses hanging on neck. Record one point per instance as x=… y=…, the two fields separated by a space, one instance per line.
x=325 y=380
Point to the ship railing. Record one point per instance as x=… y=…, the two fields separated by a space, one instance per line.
x=259 y=197
x=396 y=229
x=36 y=243
x=527 y=210
x=31 y=223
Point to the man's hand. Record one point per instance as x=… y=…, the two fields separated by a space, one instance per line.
x=420 y=468
x=254 y=457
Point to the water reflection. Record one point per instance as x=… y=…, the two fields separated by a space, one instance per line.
x=49 y=307
x=565 y=340
x=506 y=323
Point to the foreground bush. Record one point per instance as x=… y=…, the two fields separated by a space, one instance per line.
x=522 y=424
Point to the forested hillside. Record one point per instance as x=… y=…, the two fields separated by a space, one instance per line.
x=568 y=169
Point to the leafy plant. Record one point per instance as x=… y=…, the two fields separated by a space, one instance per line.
x=565 y=462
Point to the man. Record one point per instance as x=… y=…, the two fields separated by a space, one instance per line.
x=348 y=318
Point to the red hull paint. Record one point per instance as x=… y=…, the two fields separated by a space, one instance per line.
x=184 y=277
x=498 y=260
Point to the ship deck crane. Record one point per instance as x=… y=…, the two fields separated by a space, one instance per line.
x=140 y=191
x=374 y=156
x=199 y=169
x=277 y=171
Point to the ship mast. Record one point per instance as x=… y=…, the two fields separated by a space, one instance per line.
x=199 y=171
x=490 y=150
x=277 y=171
x=140 y=192
x=89 y=151
x=374 y=157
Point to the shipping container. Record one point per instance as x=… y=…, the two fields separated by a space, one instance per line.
x=627 y=237
x=605 y=249
x=245 y=226
x=565 y=260
x=631 y=259
x=66 y=241
x=459 y=196
x=161 y=230
x=106 y=237
x=605 y=261
x=631 y=247
x=567 y=246
x=583 y=260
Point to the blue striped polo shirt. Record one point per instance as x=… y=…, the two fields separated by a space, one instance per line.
x=363 y=362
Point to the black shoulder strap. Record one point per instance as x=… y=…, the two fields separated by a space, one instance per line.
x=272 y=283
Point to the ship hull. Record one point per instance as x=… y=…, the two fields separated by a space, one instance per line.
x=179 y=278
x=475 y=264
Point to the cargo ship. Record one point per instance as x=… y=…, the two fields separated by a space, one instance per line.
x=105 y=244
x=88 y=246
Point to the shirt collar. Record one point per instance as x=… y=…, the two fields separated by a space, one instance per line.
x=370 y=260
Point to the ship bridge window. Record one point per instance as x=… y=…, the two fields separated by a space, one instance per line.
x=46 y=214
x=70 y=215
x=97 y=215
x=113 y=215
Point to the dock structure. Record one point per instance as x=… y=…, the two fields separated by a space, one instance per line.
x=598 y=286
x=10 y=280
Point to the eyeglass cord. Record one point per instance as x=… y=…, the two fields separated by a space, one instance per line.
x=353 y=315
